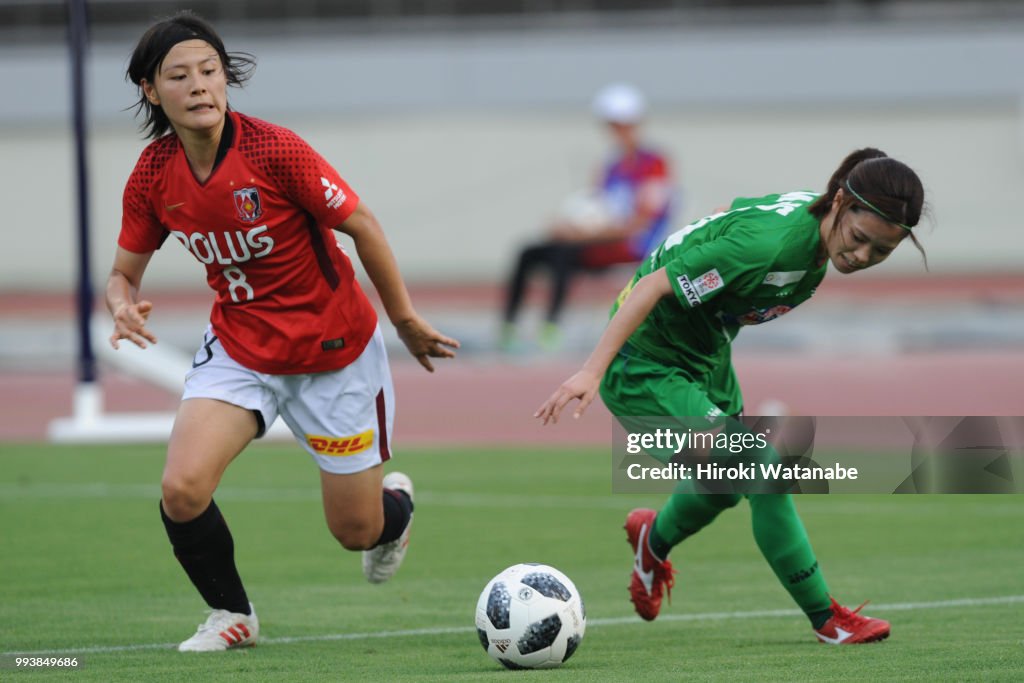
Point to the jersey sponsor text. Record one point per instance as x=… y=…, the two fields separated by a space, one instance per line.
x=688 y=290
x=227 y=247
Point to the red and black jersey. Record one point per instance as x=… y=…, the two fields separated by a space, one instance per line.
x=287 y=298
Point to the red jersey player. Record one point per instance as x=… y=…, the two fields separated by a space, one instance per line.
x=291 y=333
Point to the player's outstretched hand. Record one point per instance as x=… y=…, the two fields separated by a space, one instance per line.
x=130 y=323
x=424 y=342
x=583 y=385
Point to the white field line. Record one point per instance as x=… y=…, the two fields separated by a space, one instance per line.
x=836 y=505
x=608 y=621
x=89 y=490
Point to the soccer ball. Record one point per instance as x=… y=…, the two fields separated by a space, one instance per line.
x=530 y=616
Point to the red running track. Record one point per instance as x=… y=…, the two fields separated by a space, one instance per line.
x=469 y=403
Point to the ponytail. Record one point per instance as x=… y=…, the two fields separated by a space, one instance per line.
x=823 y=204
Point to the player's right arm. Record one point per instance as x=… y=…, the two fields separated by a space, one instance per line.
x=141 y=234
x=638 y=304
x=122 y=294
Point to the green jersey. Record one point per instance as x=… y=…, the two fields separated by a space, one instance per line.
x=745 y=266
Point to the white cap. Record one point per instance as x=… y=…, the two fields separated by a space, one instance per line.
x=620 y=103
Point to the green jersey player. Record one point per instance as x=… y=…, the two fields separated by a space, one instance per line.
x=666 y=351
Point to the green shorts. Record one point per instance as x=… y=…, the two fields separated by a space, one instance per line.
x=637 y=385
x=645 y=395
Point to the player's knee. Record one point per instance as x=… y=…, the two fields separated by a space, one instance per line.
x=183 y=499
x=355 y=534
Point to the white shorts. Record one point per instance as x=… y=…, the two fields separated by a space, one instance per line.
x=343 y=418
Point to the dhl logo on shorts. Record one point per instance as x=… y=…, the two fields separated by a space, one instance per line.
x=340 y=446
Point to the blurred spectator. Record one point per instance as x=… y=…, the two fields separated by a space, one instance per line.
x=618 y=221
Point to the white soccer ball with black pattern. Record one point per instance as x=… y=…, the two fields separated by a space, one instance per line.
x=530 y=616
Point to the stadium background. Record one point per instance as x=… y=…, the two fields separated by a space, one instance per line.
x=470 y=132
x=464 y=124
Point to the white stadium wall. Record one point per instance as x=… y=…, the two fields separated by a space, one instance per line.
x=463 y=145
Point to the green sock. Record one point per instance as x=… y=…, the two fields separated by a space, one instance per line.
x=659 y=546
x=684 y=514
x=819 y=618
x=783 y=541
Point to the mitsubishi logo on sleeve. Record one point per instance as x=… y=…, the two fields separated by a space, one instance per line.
x=332 y=193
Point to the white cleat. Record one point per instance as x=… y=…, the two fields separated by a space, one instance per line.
x=381 y=563
x=224 y=630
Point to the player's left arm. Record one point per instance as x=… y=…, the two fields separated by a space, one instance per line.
x=422 y=340
x=313 y=184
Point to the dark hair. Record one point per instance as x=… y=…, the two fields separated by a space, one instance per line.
x=885 y=186
x=153 y=47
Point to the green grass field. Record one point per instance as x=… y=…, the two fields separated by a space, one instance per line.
x=87 y=571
